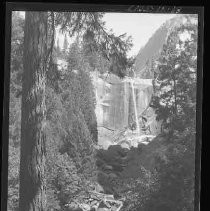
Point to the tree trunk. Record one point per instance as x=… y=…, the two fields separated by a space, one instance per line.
x=32 y=158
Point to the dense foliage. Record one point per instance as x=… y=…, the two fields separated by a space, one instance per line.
x=90 y=27
x=122 y=173
x=175 y=99
x=175 y=104
x=159 y=176
x=71 y=127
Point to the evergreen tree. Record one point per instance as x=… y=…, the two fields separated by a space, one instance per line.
x=97 y=39
x=73 y=100
x=32 y=156
x=175 y=103
x=175 y=97
x=71 y=134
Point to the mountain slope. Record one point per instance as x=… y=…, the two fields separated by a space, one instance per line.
x=153 y=47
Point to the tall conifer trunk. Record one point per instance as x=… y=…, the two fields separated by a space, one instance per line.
x=32 y=160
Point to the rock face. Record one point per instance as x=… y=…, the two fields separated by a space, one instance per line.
x=114 y=99
x=120 y=103
x=111 y=101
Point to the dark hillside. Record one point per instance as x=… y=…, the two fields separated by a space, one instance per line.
x=154 y=46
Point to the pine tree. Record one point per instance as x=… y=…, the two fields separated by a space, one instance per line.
x=175 y=103
x=176 y=88
x=77 y=125
x=32 y=158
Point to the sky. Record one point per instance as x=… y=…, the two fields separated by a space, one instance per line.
x=141 y=26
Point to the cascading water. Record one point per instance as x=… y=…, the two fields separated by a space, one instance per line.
x=112 y=109
x=135 y=108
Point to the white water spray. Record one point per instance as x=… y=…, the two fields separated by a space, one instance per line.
x=135 y=108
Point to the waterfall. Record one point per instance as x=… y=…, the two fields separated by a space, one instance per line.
x=135 y=108
x=112 y=108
